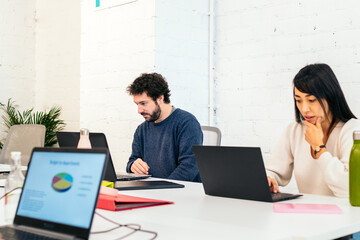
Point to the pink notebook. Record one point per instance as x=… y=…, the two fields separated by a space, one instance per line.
x=306 y=208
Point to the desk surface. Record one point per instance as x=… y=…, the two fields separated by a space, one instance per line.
x=195 y=215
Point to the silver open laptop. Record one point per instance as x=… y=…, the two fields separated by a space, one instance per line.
x=59 y=195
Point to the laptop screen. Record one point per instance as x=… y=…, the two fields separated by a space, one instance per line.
x=62 y=187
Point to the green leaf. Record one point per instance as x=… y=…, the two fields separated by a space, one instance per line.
x=51 y=120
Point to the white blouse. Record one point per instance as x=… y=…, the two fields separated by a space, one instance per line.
x=328 y=175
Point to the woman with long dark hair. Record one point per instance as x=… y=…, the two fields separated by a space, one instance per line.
x=317 y=146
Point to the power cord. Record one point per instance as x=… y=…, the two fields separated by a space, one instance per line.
x=10 y=192
x=133 y=226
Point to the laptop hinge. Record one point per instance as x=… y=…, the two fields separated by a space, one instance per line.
x=43 y=232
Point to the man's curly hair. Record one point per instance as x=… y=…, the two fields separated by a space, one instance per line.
x=153 y=84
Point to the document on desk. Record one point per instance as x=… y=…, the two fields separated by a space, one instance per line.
x=306 y=208
x=109 y=199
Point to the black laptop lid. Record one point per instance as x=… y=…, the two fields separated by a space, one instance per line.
x=61 y=189
x=98 y=140
x=236 y=172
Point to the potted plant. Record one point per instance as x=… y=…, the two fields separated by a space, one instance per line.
x=50 y=120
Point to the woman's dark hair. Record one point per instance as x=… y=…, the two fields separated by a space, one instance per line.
x=153 y=84
x=320 y=81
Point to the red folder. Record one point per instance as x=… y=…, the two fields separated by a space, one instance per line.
x=109 y=199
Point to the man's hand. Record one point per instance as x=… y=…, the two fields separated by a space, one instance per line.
x=139 y=167
x=314 y=134
x=273 y=185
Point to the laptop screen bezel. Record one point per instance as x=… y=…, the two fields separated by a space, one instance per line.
x=57 y=227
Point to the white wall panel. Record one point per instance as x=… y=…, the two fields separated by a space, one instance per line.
x=117 y=45
x=261 y=45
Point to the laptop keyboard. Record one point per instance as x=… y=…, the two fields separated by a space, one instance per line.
x=129 y=177
x=282 y=196
x=16 y=234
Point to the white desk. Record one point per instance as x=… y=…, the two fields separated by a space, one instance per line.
x=195 y=215
x=198 y=216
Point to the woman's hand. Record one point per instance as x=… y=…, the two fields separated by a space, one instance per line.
x=314 y=134
x=273 y=185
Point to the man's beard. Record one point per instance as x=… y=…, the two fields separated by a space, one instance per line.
x=155 y=114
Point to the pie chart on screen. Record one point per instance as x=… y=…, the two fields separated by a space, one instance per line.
x=62 y=182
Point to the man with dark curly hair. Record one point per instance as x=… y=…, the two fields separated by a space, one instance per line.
x=162 y=144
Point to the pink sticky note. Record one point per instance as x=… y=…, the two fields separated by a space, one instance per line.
x=108 y=191
x=306 y=208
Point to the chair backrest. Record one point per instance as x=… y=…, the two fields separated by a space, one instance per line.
x=22 y=138
x=212 y=136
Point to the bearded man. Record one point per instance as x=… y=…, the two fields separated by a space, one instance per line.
x=162 y=144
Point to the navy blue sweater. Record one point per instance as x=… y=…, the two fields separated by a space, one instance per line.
x=166 y=146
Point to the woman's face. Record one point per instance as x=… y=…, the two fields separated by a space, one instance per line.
x=310 y=108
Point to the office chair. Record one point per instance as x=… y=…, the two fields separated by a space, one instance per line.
x=212 y=136
x=22 y=138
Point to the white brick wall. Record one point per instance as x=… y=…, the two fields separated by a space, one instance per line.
x=40 y=55
x=181 y=53
x=117 y=44
x=17 y=49
x=261 y=45
x=57 y=58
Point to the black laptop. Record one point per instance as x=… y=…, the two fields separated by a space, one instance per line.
x=59 y=195
x=235 y=172
x=122 y=180
x=71 y=139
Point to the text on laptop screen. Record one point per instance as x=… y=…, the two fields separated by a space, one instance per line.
x=59 y=188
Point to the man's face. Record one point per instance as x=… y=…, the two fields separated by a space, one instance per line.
x=147 y=107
